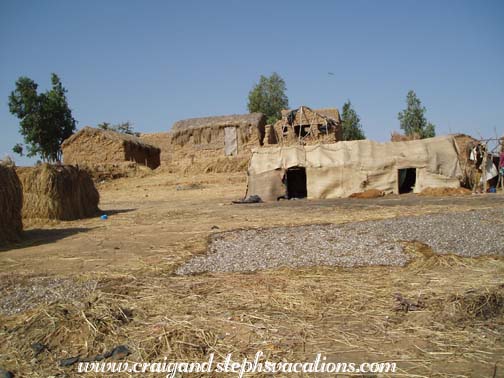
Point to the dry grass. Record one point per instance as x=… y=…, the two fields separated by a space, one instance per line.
x=347 y=314
x=57 y=192
x=441 y=192
x=11 y=202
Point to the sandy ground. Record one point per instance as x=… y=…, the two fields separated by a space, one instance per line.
x=348 y=314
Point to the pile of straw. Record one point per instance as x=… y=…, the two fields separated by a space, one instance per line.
x=464 y=144
x=441 y=192
x=58 y=192
x=11 y=202
x=370 y=193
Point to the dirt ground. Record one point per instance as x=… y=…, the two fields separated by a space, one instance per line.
x=126 y=292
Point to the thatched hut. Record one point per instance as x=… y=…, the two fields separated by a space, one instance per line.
x=91 y=146
x=11 y=202
x=306 y=126
x=228 y=134
x=58 y=192
x=215 y=144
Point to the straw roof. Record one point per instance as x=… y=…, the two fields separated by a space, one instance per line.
x=330 y=113
x=109 y=134
x=252 y=119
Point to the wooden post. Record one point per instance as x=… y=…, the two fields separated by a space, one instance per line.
x=483 y=169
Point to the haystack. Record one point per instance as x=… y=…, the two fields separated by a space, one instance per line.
x=91 y=146
x=11 y=202
x=58 y=192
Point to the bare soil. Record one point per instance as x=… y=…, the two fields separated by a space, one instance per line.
x=127 y=292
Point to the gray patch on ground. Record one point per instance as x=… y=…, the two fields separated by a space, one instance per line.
x=18 y=294
x=470 y=234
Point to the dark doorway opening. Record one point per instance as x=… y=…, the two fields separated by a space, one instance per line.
x=406 y=179
x=296 y=182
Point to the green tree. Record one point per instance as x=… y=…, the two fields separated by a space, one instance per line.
x=46 y=119
x=18 y=149
x=350 y=122
x=412 y=119
x=268 y=97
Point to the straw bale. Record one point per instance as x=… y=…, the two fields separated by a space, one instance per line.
x=11 y=202
x=58 y=192
x=92 y=146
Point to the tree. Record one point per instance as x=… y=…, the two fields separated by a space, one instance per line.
x=268 y=97
x=18 y=149
x=350 y=122
x=123 y=127
x=46 y=119
x=412 y=119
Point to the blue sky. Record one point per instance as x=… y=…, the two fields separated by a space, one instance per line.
x=155 y=62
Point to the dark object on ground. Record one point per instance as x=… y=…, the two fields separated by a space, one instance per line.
x=69 y=361
x=406 y=305
x=215 y=227
x=38 y=348
x=252 y=199
x=6 y=374
x=120 y=352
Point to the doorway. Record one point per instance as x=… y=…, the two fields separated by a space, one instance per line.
x=296 y=182
x=406 y=179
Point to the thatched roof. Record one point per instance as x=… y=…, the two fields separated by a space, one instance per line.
x=331 y=113
x=109 y=134
x=252 y=119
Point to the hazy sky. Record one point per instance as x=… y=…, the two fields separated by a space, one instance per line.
x=155 y=62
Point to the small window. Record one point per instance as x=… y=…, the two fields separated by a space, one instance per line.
x=302 y=130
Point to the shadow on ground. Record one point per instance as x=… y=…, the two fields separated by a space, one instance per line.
x=116 y=211
x=35 y=237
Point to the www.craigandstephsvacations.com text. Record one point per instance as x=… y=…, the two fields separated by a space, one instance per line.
x=259 y=364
